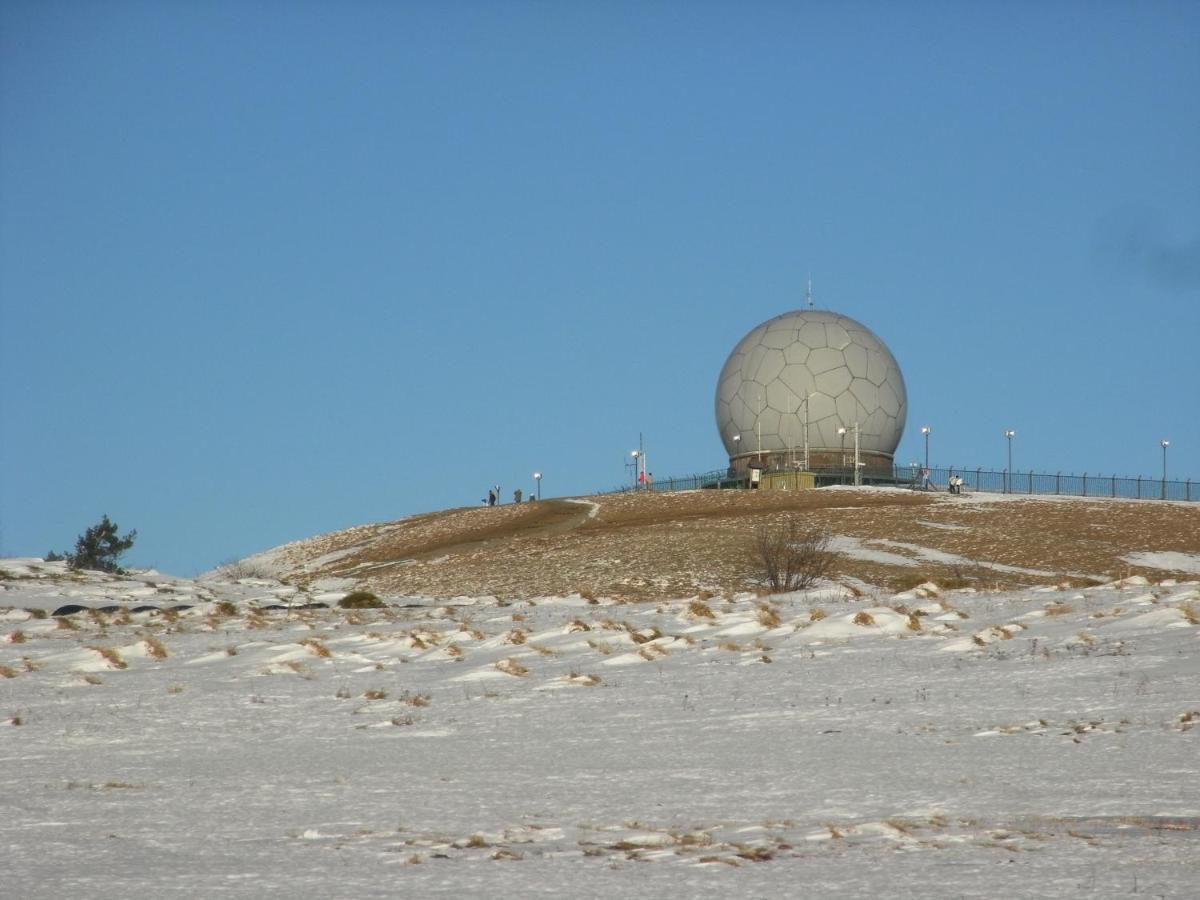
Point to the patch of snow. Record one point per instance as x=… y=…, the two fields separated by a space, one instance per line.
x=1168 y=560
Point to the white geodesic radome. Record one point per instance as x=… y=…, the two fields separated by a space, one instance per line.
x=846 y=374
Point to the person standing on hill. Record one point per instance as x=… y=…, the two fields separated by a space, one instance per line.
x=492 y=497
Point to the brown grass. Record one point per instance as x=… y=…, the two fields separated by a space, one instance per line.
x=511 y=666
x=7 y=672
x=111 y=656
x=375 y=694
x=154 y=647
x=675 y=545
x=863 y=618
x=698 y=609
x=316 y=648
x=817 y=614
x=17 y=637
x=768 y=617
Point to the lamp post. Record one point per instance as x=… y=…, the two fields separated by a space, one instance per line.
x=1165 y=444
x=857 y=464
x=636 y=456
x=926 y=430
x=737 y=444
x=537 y=476
x=1008 y=472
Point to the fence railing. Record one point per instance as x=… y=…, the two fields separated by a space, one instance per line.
x=1135 y=487
x=1129 y=487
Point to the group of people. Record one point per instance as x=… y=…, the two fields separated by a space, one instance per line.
x=493 y=497
x=953 y=484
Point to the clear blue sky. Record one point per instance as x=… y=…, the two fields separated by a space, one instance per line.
x=272 y=269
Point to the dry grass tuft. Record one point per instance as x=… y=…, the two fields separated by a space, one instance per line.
x=416 y=699
x=1190 y=612
x=755 y=854
x=511 y=666
x=7 y=672
x=863 y=618
x=506 y=853
x=768 y=617
x=602 y=647
x=698 y=609
x=914 y=622
x=733 y=646
x=516 y=636
x=585 y=680
x=111 y=656
x=455 y=651
x=154 y=647
x=226 y=608
x=66 y=624
x=1059 y=608
x=316 y=648
x=17 y=637
x=578 y=625
x=644 y=636
x=817 y=614
x=375 y=694
x=299 y=668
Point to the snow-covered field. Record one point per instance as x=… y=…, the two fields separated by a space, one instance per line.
x=1039 y=743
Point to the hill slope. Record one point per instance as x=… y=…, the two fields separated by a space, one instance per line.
x=658 y=546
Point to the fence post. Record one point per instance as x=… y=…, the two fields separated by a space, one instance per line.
x=1058 y=483
x=1139 y=487
x=1085 y=484
x=978 y=483
x=1189 y=489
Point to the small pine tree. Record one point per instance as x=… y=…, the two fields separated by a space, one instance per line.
x=100 y=547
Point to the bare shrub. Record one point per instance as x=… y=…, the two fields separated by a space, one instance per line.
x=790 y=557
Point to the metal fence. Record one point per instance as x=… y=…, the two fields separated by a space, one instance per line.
x=1128 y=487
x=978 y=479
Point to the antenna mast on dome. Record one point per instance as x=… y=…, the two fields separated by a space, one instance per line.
x=808 y=293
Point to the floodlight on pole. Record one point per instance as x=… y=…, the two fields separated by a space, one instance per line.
x=537 y=476
x=636 y=457
x=926 y=430
x=857 y=463
x=1165 y=444
x=1008 y=472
